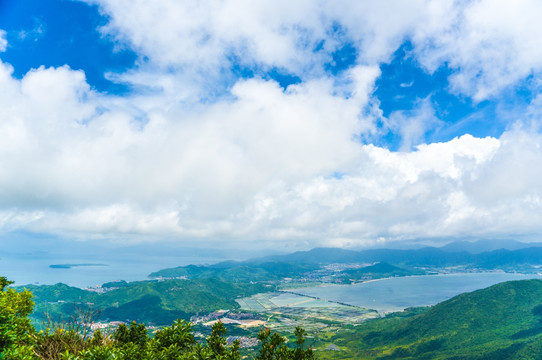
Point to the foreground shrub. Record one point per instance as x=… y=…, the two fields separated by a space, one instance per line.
x=16 y=331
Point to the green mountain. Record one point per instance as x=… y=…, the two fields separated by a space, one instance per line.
x=298 y=264
x=154 y=302
x=379 y=270
x=503 y=321
x=238 y=272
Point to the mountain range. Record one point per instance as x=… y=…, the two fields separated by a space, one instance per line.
x=523 y=257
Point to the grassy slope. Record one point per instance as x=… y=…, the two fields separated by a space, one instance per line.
x=503 y=321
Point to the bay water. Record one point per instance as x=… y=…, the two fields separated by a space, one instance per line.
x=398 y=293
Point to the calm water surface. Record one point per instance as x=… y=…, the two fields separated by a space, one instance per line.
x=38 y=271
x=26 y=259
x=398 y=293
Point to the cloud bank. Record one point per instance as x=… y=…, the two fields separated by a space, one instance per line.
x=198 y=152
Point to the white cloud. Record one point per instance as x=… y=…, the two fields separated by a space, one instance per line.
x=3 y=41
x=261 y=162
x=67 y=150
x=489 y=45
x=259 y=165
x=203 y=39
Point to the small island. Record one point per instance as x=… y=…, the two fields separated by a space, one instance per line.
x=69 y=266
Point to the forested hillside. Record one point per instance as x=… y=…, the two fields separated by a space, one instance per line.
x=152 y=302
x=75 y=340
x=503 y=321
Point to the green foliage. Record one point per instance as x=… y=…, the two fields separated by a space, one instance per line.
x=171 y=343
x=273 y=347
x=115 y=284
x=16 y=331
x=503 y=321
x=53 y=293
x=132 y=343
x=379 y=270
x=216 y=345
x=239 y=272
x=135 y=334
x=178 y=335
x=71 y=340
x=151 y=302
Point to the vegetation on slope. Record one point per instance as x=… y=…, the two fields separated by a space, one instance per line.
x=152 y=302
x=238 y=272
x=308 y=263
x=72 y=340
x=15 y=327
x=503 y=321
x=379 y=270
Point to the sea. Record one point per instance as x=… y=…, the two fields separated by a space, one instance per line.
x=399 y=293
x=45 y=260
x=89 y=272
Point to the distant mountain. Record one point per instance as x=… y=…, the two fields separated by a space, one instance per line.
x=314 y=256
x=503 y=259
x=503 y=321
x=300 y=263
x=427 y=256
x=480 y=246
x=378 y=270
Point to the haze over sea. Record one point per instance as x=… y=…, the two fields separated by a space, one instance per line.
x=27 y=260
x=92 y=271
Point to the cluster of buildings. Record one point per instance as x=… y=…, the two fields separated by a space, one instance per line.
x=227 y=317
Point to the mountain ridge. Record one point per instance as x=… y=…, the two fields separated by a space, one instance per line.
x=276 y=266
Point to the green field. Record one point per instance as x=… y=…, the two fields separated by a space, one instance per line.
x=285 y=311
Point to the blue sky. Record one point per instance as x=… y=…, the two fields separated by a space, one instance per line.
x=56 y=33
x=300 y=124
x=64 y=32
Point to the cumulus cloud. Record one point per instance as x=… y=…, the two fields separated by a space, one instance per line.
x=260 y=165
x=483 y=42
x=68 y=150
x=204 y=39
x=263 y=162
x=490 y=44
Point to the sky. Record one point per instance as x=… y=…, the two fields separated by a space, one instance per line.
x=270 y=124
